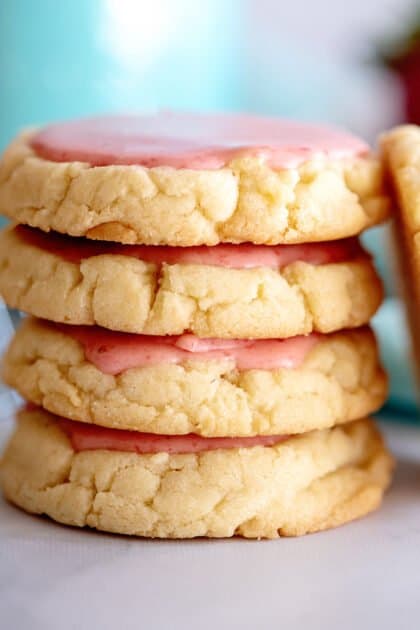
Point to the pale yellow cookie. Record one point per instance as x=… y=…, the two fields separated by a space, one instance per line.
x=245 y=201
x=123 y=293
x=308 y=483
x=401 y=147
x=340 y=379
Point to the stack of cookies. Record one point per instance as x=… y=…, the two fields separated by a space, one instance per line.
x=197 y=360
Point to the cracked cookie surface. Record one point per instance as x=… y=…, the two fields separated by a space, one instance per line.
x=308 y=483
x=246 y=201
x=123 y=293
x=340 y=379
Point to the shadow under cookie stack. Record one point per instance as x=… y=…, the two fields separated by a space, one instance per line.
x=197 y=359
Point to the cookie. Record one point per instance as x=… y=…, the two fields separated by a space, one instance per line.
x=401 y=147
x=184 y=180
x=182 y=384
x=239 y=291
x=304 y=484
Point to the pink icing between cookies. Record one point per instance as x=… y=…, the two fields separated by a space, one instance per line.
x=194 y=141
x=86 y=437
x=115 y=352
x=243 y=256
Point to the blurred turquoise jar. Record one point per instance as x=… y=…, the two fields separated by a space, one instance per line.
x=79 y=57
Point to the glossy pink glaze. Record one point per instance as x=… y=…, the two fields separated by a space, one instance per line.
x=114 y=352
x=87 y=437
x=244 y=256
x=194 y=141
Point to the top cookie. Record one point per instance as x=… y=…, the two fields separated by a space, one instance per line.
x=184 y=180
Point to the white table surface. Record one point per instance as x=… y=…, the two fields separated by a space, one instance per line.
x=365 y=575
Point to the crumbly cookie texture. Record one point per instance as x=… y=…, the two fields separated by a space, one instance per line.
x=123 y=293
x=246 y=201
x=309 y=483
x=340 y=380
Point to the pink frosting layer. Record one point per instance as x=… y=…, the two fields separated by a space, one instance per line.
x=114 y=352
x=86 y=437
x=244 y=256
x=195 y=141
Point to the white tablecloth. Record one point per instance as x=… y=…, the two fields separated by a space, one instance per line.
x=365 y=575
